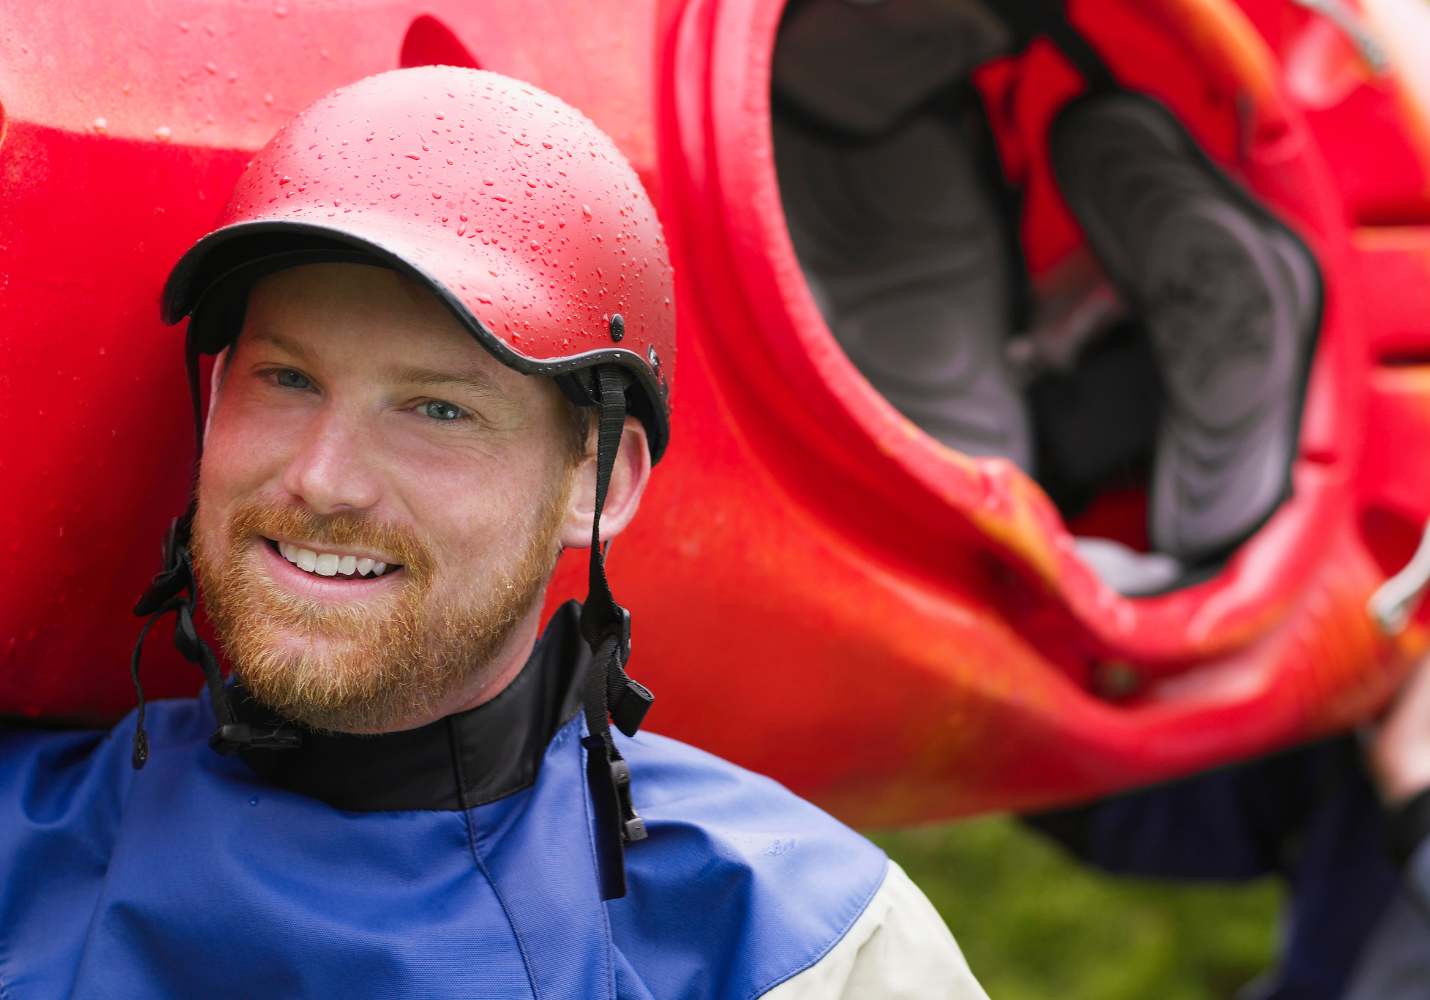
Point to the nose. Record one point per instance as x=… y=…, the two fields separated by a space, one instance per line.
x=333 y=470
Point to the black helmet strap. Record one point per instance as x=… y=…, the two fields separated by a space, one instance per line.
x=173 y=589
x=610 y=695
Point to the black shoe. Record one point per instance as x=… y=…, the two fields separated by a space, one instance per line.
x=1232 y=300
x=904 y=251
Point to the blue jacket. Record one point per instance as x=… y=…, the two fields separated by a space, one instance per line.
x=196 y=877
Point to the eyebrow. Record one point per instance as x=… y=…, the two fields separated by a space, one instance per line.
x=428 y=377
x=433 y=377
x=292 y=348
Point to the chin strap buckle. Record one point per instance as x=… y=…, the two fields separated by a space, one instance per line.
x=627 y=700
x=174 y=589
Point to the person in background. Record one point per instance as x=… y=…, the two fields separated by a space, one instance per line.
x=1395 y=962
x=1346 y=823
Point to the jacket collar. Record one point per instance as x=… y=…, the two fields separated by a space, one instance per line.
x=459 y=762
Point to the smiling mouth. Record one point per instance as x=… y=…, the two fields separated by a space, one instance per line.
x=331 y=564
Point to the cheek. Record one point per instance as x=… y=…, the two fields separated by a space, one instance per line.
x=480 y=517
x=247 y=446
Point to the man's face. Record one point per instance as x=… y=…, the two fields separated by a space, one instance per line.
x=380 y=501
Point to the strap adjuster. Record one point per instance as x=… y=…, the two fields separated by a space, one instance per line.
x=632 y=826
x=621 y=629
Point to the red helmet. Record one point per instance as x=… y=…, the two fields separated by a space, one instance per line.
x=508 y=204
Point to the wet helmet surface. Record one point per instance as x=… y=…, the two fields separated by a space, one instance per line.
x=509 y=205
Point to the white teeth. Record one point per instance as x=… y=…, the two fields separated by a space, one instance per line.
x=330 y=564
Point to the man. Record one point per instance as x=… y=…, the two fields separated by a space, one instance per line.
x=441 y=306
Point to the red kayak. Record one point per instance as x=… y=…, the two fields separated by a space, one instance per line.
x=821 y=591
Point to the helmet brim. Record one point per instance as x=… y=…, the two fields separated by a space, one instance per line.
x=211 y=281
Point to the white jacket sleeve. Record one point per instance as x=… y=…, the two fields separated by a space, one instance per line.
x=898 y=949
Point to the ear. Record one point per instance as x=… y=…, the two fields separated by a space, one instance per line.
x=215 y=384
x=623 y=496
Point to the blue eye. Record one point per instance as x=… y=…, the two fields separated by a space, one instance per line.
x=439 y=410
x=292 y=380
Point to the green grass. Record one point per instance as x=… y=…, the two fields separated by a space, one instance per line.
x=1036 y=925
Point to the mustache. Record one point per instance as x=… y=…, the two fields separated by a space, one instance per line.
x=261 y=517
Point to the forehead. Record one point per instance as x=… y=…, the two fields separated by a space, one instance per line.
x=358 y=313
